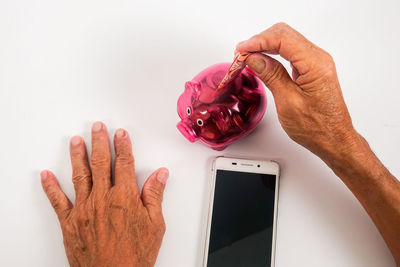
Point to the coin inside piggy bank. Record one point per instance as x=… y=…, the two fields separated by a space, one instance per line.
x=219 y=115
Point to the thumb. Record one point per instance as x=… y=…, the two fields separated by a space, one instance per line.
x=271 y=72
x=152 y=193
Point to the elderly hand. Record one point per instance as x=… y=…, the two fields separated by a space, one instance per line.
x=109 y=224
x=312 y=111
x=310 y=105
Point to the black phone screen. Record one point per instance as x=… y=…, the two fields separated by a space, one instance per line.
x=242 y=219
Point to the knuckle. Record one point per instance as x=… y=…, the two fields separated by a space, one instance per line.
x=56 y=205
x=81 y=176
x=100 y=159
x=328 y=64
x=118 y=191
x=155 y=193
x=275 y=73
x=56 y=201
x=54 y=197
x=327 y=58
x=68 y=228
x=118 y=207
x=284 y=31
x=120 y=194
x=124 y=159
x=159 y=226
x=281 y=26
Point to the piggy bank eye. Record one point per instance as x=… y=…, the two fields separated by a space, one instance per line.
x=200 y=122
x=188 y=111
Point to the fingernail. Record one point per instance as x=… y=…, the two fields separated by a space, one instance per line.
x=43 y=175
x=97 y=126
x=76 y=140
x=256 y=63
x=162 y=176
x=120 y=133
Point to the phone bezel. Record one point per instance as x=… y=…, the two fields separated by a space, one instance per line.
x=250 y=166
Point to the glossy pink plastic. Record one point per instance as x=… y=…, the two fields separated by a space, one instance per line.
x=221 y=116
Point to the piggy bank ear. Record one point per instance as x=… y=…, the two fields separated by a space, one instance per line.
x=194 y=88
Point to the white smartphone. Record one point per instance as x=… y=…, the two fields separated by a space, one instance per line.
x=242 y=213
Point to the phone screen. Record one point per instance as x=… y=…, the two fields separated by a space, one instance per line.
x=242 y=219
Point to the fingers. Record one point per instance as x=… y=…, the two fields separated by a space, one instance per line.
x=81 y=175
x=290 y=44
x=272 y=73
x=152 y=193
x=100 y=160
x=58 y=199
x=124 y=161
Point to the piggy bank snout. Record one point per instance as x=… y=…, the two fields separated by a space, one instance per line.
x=187 y=131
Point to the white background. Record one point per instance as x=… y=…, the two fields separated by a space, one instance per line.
x=66 y=64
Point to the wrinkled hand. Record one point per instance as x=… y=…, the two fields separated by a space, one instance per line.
x=312 y=111
x=109 y=225
x=310 y=105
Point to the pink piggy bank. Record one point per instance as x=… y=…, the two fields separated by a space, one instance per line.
x=221 y=116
